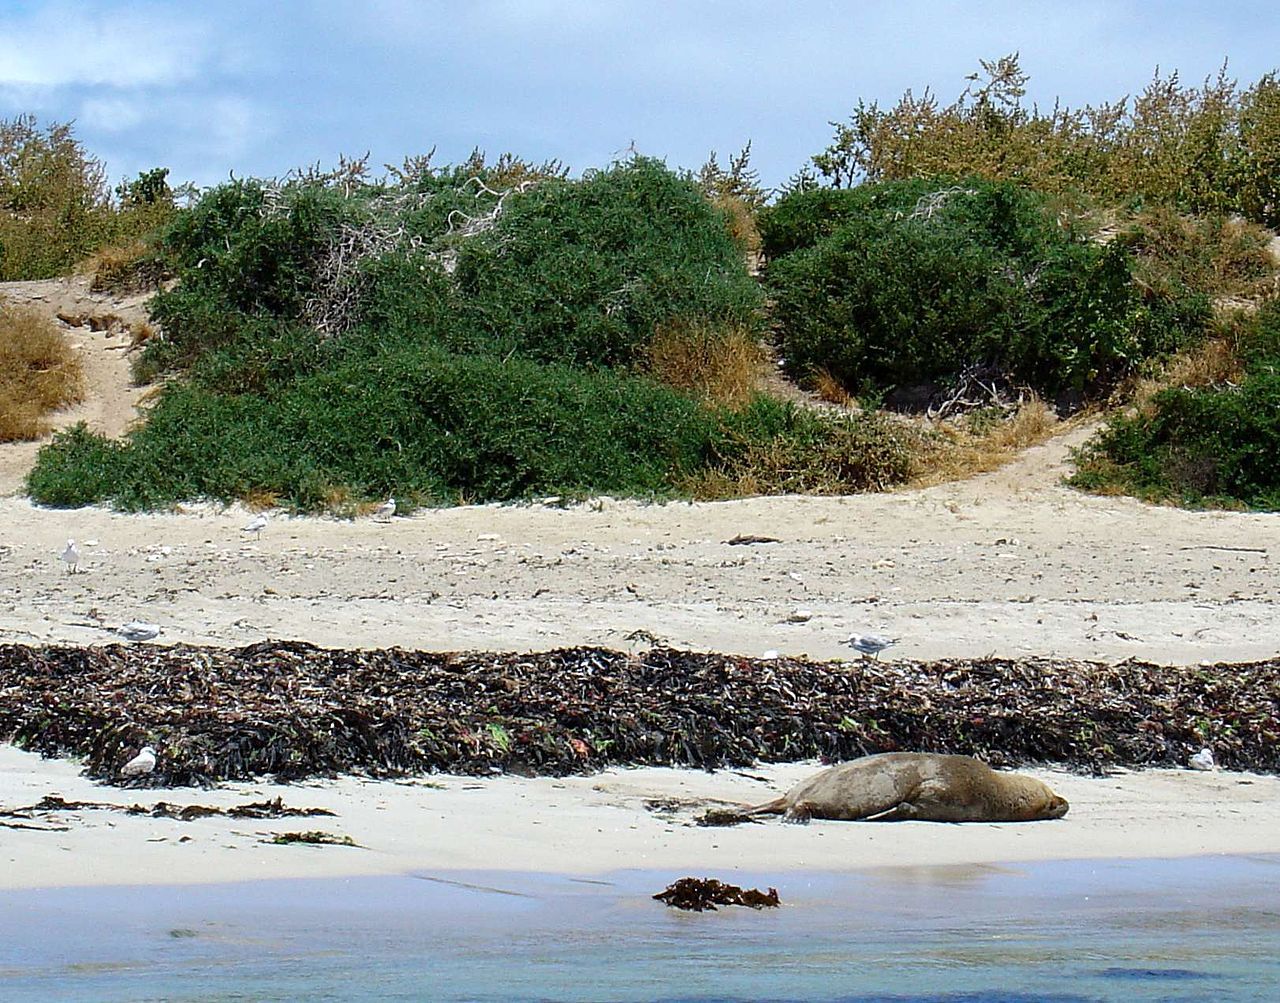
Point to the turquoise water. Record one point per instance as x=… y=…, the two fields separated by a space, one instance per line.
x=1198 y=929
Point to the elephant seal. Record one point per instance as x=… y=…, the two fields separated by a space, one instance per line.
x=916 y=785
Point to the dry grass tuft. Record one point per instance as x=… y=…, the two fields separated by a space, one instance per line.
x=831 y=390
x=979 y=443
x=722 y=363
x=740 y=221
x=260 y=499
x=121 y=268
x=39 y=373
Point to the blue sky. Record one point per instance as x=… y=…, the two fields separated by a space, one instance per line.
x=260 y=87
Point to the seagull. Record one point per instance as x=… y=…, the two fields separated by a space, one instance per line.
x=136 y=630
x=870 y=644
x=143 y=762
x=256 y=525
x=1202 y=760
x=71 y=556
x=386 y=510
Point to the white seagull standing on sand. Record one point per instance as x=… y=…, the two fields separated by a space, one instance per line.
x=144 y=762
x=386 y=510
x=71 y=557
x=136 y=630
x=256 y=525
x=870 y=644
x=1202 y=760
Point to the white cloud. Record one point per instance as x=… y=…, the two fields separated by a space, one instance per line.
x=61 y=45
x=112 y=114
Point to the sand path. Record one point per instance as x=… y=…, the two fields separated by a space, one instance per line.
x=111 y=401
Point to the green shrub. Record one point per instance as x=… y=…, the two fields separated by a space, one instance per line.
x=584 y=272
x=806 y=216
x=1203 y=445
x=55 y=208
x=920 y=279
x=421 y=422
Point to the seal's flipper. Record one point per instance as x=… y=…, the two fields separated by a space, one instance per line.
x=799 y=813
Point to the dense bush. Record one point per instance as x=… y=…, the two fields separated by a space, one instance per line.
x=585 y=272
x=920 y=279
x=477 y=343
x=1201 y=445
x=423 y=423
x=435 y=427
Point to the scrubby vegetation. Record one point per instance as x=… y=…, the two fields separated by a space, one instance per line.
x=498 y=330
x=39 y=373
x=445 y=338
x=913 y=281
x=56 y=208
x=1208 y=149
x=1211 y=444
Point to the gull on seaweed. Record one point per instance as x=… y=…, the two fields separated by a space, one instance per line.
x=871 y=644
x=136 y=630
x=71 y=557
x=256 y=525
x=144 y=762
x=1202 y=760
x=386 y=510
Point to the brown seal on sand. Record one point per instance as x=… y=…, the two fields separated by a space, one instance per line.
x=916 y=785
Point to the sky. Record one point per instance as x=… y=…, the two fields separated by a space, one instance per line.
x=261 y=86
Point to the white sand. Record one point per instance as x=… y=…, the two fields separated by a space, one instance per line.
x=596 y=824
x=1009 y=563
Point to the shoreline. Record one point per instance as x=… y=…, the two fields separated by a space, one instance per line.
x=590 y=825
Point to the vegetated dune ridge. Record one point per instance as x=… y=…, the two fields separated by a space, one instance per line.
x=1010 y=562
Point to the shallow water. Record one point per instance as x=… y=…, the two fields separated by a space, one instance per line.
x=1195 y=929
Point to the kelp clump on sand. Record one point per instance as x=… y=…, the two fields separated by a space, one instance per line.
x=293 y=710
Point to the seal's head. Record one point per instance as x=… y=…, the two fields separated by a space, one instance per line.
x=1057 y=807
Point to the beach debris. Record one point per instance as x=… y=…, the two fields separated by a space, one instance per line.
x=1202 y=760
x=871 y=644
x=747 y=539
x=386 y=510
x=70 y=556
x=725 y=817
x=702 y=894
x=292 y=710
x=256 y=525
x=274 y=808
x=137 y=630
x=312 y=837
x=141 y=764
x=800 y=616
x=642 y=636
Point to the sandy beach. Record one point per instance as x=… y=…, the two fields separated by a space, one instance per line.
x=587 y=825
x=1010 y=563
